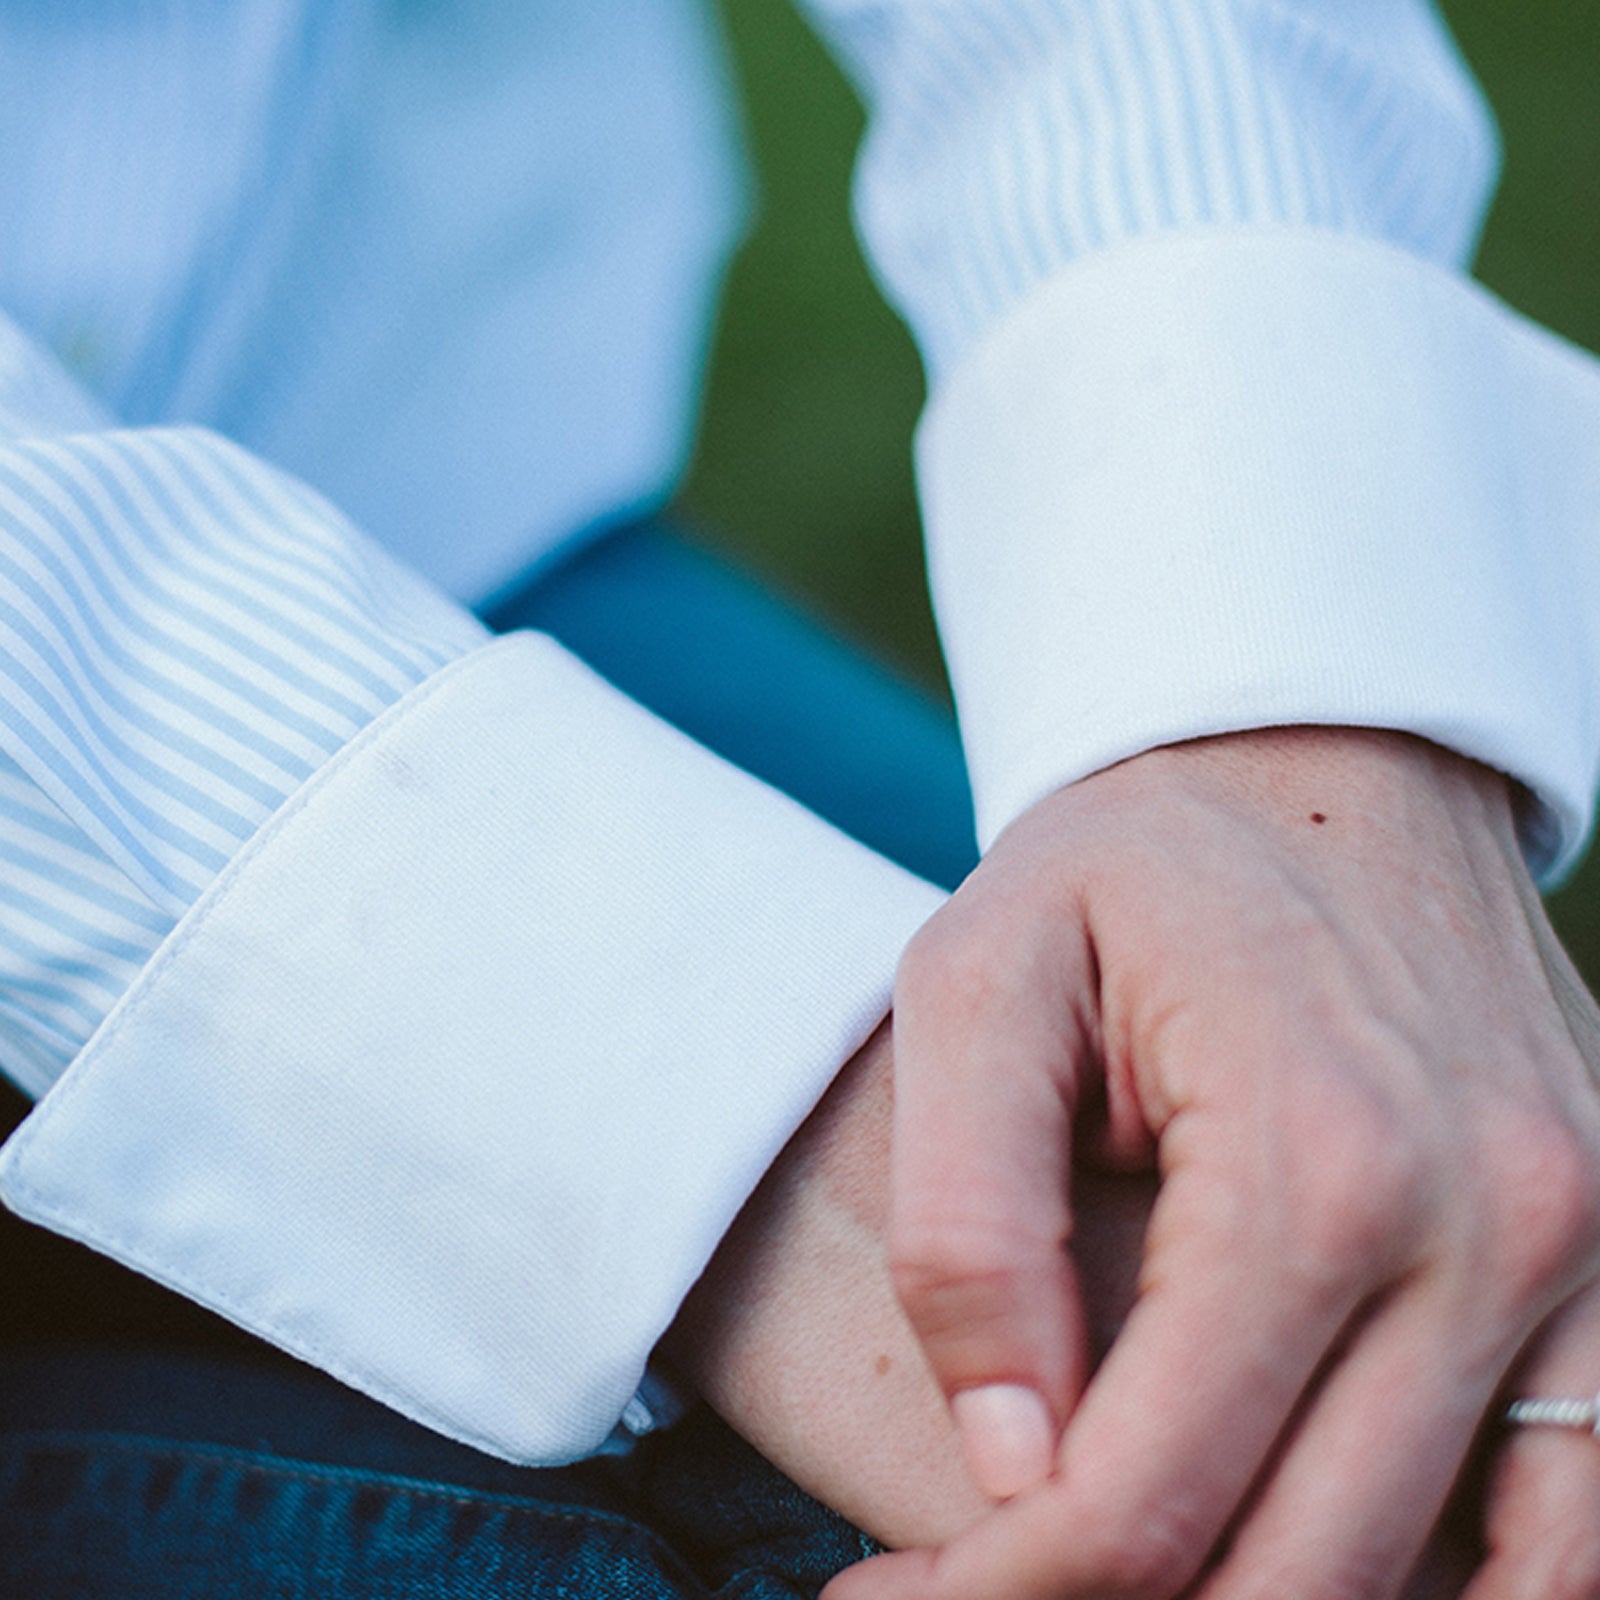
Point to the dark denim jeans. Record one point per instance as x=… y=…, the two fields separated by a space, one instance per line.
x=148 y=1451
x=148 y=1476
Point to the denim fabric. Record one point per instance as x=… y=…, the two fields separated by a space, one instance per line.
x=165 y=1477
x=146 y=1451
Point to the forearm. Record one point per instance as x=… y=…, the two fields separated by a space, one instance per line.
x=794 y=1334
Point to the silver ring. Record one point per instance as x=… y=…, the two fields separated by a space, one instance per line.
x=1583 y=1414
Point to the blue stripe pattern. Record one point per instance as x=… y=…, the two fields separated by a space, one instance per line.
x=189 y=634
x=1008 y=138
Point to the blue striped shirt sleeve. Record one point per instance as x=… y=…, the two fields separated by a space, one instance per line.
x=1010 y=138
x=1220 y=434
x=190 y=635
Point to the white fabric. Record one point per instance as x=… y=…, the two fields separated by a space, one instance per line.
x=370 y=1061
x=1309 y=479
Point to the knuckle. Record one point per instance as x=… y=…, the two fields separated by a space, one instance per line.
x=952 y=1241
x=1357 y=1198
x=945 y=1271
x=939 y=945
x=1152 y=1555
x=1545 y=1182
x=946 y=968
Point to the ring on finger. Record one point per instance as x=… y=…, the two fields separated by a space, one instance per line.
x=1554 y=1412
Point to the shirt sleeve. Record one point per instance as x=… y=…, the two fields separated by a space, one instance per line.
x=1219 y=433
x=188 y=636
x=410 y=997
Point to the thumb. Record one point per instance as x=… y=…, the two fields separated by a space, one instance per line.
x=987 y=1059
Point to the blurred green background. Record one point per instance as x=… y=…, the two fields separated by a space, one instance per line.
x=804 y=467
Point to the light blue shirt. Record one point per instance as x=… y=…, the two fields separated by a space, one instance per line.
x=1219 y=435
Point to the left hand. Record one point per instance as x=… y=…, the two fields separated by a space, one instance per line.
x=1306 y=972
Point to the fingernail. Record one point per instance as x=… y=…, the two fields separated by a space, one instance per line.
x=1008 y=1437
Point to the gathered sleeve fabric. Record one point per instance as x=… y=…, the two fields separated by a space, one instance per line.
x=189 y=636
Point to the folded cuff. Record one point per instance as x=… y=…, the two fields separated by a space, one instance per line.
x=452 y=1081
x=1239 y=479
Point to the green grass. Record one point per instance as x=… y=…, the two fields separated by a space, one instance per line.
x=804 y=468
x=804 y=463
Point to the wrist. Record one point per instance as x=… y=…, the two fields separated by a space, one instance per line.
x=1364 y=787
x=794 y=1336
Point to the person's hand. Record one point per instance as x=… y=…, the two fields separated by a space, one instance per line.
x=794 y=1335
x=1305 y=971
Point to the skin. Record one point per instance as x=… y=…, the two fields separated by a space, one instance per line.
x=1301 y=974
x=795 y=1335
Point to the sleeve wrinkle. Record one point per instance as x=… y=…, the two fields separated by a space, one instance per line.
x=1009 y=140
x=189 y=634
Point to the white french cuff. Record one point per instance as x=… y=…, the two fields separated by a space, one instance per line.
x=1243 y=478
x=453 y=1080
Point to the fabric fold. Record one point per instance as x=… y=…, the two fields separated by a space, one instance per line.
x=454 y=1078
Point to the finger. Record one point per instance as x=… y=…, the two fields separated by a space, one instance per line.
x=1170 y=1434
x=1194 y=1395
x=986 y=1069
x=900 y=1575
x=1360 y=1484
x=1543 y=1516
